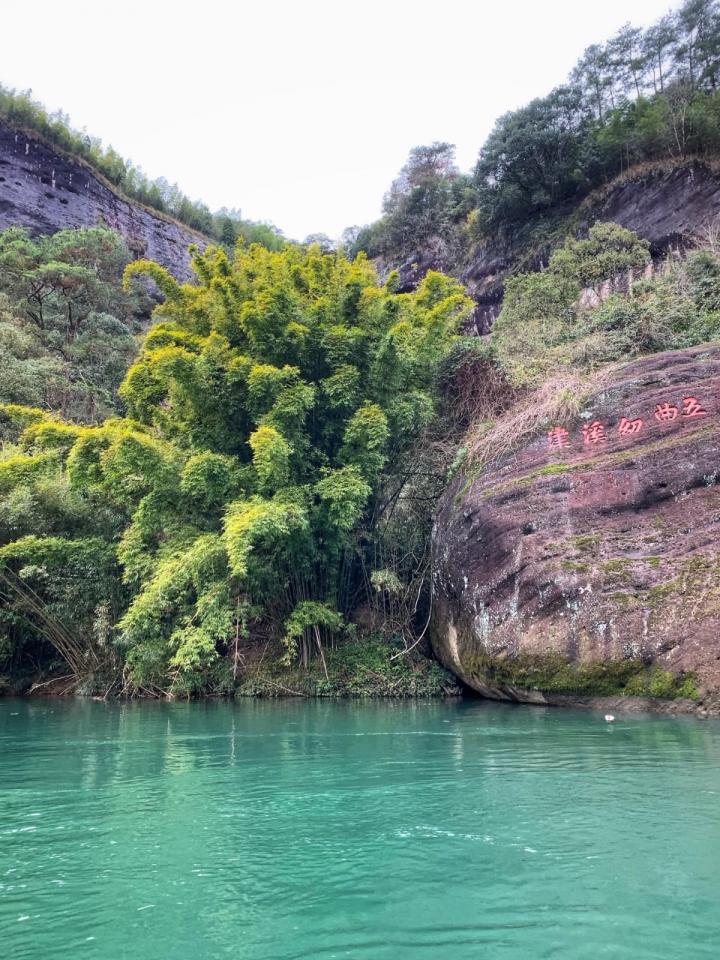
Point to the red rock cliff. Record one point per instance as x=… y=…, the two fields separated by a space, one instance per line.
x=596 y=546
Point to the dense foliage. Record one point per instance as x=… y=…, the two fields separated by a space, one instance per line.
x=545 y=327
x=225 y=226
x=271 y=416
x=67 y=327
x=642 y=96
x=427 y=199
x=265 y=472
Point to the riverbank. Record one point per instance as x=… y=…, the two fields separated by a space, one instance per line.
x=368 y=668
x=620 y=704
x=423 y=681
x=364 y=669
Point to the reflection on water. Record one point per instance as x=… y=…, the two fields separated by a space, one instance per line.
x=294 y=829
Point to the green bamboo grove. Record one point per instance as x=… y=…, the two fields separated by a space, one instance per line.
x=269 y=405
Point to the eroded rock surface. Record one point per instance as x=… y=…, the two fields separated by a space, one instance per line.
x=604 y=551
x=45 y=191
x=671 y=208
x=666 y=208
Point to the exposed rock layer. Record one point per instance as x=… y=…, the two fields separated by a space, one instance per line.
x=671 y=208
x=46 y=191
x=600 y=551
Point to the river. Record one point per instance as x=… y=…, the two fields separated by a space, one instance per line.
x=310 y=829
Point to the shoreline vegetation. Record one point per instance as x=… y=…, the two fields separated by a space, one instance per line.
x=252 y=511
x=370 y=669
x=173 y=537
x=269 y=470
x=233 y=489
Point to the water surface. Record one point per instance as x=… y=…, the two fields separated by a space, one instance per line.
x=275 y=831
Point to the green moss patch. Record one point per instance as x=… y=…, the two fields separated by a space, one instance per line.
x=551 y=673
x=617 y=570
x=624 y=600
x=695 y=579
x=549 y=470
x=586 y=542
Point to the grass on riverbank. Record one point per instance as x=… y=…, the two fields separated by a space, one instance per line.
x=368 y=668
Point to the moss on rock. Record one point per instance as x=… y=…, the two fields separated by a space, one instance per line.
x=551 y=673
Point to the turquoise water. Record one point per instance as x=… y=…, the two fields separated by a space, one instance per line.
x=271 y=831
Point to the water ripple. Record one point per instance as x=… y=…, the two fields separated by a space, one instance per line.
x=398 y=831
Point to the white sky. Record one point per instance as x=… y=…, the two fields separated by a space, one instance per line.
x=296 y=112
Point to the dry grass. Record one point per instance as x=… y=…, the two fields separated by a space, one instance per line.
x=556 y=402
x=708 y=237
x=647 y=169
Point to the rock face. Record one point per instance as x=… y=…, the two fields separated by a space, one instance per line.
x=594 y=558
x=46 y=191
x=667 y=208
x=670 y=208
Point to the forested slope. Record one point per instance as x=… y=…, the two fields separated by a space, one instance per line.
x=63 y=158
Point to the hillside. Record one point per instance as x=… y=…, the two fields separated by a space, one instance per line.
x=54 y=177
x=631 y=136
x=242 y=498
x=672 y=205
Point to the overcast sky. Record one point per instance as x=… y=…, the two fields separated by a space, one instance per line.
x=300 y=112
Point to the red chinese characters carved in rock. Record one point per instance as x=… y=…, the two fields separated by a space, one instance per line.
x=627 y=427
x=594 y=433
x=665 y=412
x=691 y=408
x=558 y=437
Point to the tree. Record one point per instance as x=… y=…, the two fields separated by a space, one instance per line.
x=67 y=327
x=426 y=201
x=321 y=240
x=658 y=44
x=425 y=166
x=607 y=251
x=349 y=239
x=593 y=77
x=628 y=59
x=531 y=159
x=698 y=49
x=227 y=233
